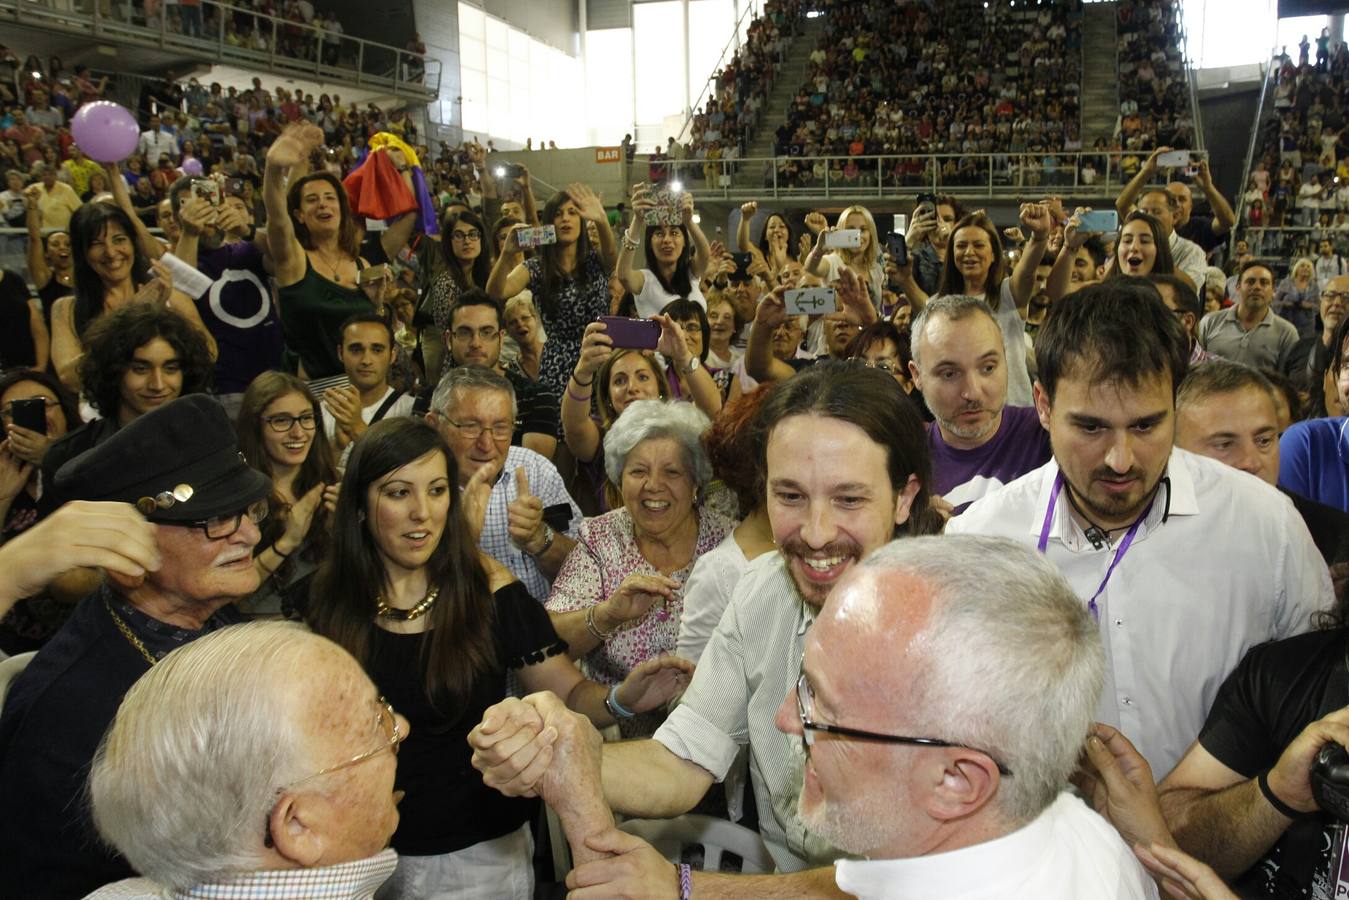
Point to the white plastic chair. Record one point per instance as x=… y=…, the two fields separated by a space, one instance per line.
x=716 y=836
x=10 y=668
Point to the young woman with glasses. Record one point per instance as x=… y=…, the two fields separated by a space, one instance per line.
x=279 y=435
x=437 y=624
x=467 y=265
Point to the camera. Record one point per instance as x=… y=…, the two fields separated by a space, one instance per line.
x=1330 y=780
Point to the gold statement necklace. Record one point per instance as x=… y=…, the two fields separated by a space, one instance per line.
x=394 y=614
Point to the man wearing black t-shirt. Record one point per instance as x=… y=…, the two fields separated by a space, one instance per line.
x=1240 y=799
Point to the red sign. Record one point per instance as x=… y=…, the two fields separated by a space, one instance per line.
x=608 y=154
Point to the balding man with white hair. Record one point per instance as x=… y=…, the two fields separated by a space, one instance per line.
x=257 y=761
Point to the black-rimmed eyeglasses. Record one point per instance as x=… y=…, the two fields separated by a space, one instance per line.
x=805 y=708
x=283 y=422
x=217 y=528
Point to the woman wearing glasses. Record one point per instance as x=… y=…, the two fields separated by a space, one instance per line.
x=437 y=625
x=467 y=265
x=279 y=436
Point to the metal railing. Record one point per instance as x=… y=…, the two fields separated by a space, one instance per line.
x=210 y=33
x=1256 y=127
x=991 y=175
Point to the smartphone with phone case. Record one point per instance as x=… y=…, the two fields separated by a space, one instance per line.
x=1173 y=159
x=1099 y=221
x=898 y=248
x=927 y=202
x=207 y=189
x=30 y=414
x=529 y=238
x=843 y=238
x=666 y=210
x=632 y=334
x=811 y=301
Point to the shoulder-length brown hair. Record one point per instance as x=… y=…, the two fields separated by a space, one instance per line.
x=348 y=237
x=605 y=404
x=458 y=646
x=952 y=282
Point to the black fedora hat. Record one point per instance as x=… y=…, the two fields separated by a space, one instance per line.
x=178 y=463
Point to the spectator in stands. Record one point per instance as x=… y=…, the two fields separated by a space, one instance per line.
x=1209 y=232
x=927 y=235
x=475 y=338
x=1142 y=248
x=1250 y=332
x=567 y=280
x=1181 y=299
x=677 y=254
x=237 y=309
x=137 y=359
x=1187 y=255
x=1112 y=355
x=863 y=261
x=466 y=265
x=40 y=113
x=1329 y=264
x=522 y=324
x=111 y=272
x=55 y=200
x=838 y=330
x=279 y=436
x=514 y=498
x=312 y=236
x=401 y=543
x=157 y=140
x=977 y=442
x=617 y=601
x=1297 y=298
x=179 y=464
x=1229 y=412
x=723 y=324
x=887 y=346
x=282 y=741
x=33 y=619
x=367 y=351
x=1312 y=454
x=777 y=244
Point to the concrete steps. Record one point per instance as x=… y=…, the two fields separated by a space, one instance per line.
x=1100 y=83
x=791 y=77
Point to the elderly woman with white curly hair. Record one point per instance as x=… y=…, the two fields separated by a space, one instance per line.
x=618 y=598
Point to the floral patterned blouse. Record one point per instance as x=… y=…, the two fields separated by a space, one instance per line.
x=606 y=553
x=580 y=300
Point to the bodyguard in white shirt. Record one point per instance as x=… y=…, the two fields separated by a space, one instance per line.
x=1185 y=563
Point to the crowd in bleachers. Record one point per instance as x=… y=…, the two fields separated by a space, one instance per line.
x=901 y=550
x=1153 y=87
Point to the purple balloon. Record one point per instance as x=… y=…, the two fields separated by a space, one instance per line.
x=191 y=166
x=107 y=132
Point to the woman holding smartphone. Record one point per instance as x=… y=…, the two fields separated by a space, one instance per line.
x=678 y=254
x=863 y=259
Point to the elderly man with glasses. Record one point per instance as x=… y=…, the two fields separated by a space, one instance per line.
x=180 y=466
x=295 y=797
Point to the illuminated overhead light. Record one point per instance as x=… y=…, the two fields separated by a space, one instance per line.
x=813 y=14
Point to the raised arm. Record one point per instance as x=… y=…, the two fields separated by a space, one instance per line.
x=396 y=236
x=747 y=211
x=633 y=279
x=288 y=155
x=38 y=269
x=592 y=210
x=760 y=363
x=1125 y=201
x=579 y=430
x=674 y=347
x=1037 y=218
x=702 y=249
x=1223 y=216
x=1060 y=276
x=509 y=275
x=149 y=244
x=66 y=348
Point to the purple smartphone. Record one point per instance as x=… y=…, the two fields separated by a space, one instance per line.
x=632 y=334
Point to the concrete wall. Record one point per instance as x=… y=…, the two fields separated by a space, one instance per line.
x=438 y=23
x=552 y=21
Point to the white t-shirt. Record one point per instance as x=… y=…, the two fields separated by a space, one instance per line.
x=653 y=297
x=706 y=593
x=1068 y=852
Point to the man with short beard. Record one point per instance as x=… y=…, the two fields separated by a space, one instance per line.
x=977 y=442
x=1159 y=543
x=846 y=469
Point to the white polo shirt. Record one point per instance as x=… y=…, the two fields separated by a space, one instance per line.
x=1228 y=565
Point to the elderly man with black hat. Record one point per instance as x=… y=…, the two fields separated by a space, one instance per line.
x=180 y=466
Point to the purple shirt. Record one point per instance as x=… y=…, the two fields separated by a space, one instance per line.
x=239 y=312
x=1020 y=445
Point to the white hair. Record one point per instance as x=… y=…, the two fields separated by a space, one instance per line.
x=643 y=420
x=1011 y=663
x=188 y=772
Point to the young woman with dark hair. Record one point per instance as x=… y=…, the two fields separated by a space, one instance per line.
x=777 y=244
x=568 y=280
x=437 y=624
x=279 y=435
x=467 y=265
x=677 y=256
x=111 y=272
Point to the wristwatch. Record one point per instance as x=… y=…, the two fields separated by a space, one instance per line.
x=692 y=366
x=549 y=536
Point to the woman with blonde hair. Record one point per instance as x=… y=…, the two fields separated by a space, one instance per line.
x=1298 y=297
x=864 y=259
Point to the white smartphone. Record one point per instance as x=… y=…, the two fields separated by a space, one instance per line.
x=1174 y=159
x=811 y=301
x=849 y=238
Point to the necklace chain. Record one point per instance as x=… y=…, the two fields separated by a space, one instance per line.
x=128 y=633
x=337 y=276
x=383 y=609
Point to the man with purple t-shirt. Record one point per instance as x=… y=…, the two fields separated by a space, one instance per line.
x=237 y=308
x=978 y=443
